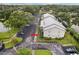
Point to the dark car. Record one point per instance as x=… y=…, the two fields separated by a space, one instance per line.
x=1 y=46
x=70 y=50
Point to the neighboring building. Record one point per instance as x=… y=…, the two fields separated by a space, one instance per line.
x=51 y=27
x=3 y=28
x=73 y=14
x=75 y=28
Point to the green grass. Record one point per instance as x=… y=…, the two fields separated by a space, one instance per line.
x=7 y=36
x=42 y=52
x=9 y=44
x=24 y=51
x=13 y=42
x=4 y=36
x=67 y=40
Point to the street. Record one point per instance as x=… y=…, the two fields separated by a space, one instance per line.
x=28 y=41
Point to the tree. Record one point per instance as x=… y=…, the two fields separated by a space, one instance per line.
x=34 y=9
x=18 y=19
x=76 y=21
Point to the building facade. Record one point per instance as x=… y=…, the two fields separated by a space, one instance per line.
x=51 y=27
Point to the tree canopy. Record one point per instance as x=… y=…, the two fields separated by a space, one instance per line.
x=18 y=19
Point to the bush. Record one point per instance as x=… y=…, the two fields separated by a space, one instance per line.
x=46 y=38
x=74 y=34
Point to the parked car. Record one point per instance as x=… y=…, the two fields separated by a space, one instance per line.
x=1 y=46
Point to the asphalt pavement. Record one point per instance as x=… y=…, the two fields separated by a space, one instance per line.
x=28 y=41
x=27 y=38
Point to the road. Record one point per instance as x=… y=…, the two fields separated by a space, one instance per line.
x=56 y=49
x=28 y=41
x=27 y=38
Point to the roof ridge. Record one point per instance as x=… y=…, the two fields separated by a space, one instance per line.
x=56 y=25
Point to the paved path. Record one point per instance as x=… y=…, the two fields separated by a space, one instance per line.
x=12 y=38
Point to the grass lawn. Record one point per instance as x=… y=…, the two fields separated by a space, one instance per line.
x=7 y=36
x=24 y=51
x=4 y=36
x=42 y=52
x=13 y=42
x=67 y=40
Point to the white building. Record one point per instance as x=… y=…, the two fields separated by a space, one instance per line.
x=3 y=28
x=51 y=27
x=75 y=28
